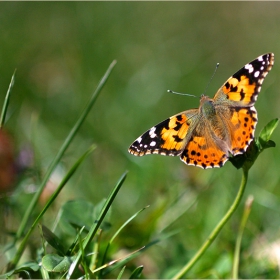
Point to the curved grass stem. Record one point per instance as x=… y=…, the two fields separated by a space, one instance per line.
x=217 y=229
x=246 y=213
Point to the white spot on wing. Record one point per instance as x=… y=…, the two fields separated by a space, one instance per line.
x=153 y=143
x=152 y=132
x=249 y=67
x=257 y=73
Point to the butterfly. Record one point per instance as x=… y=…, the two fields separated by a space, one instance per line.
x=222 y=126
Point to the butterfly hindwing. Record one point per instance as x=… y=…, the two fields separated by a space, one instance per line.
x=205 y=151
x=243 y=121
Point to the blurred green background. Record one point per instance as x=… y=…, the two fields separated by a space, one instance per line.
x=62 y=49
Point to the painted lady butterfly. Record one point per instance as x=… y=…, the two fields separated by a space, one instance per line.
x=221 y=127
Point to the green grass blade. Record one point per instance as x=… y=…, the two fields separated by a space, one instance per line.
x=121 y=273
x=50 y=201
x=96 y=226
x=6 y=101
x=121 y=262
x=119 y=230
x=246 y=213
x=128 y=221
x=136 y=274
x=58 y=157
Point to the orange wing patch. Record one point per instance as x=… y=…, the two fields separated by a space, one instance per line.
x=241 y=90
x=201 y=153
x=244 y=122
x=174 y=135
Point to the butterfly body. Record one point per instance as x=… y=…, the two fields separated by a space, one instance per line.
x=221 y=127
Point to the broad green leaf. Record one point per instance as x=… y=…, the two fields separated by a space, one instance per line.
x=28 y=266
x=267 y=131
x=53 y=240
x=79 y=213
x=56 y=263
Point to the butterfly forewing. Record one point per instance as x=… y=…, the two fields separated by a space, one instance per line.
x=244 y=86
x=167 y=138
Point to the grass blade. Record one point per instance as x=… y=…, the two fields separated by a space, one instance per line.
x=121 y=273
x=118 y=231
x=6 y=101
x=50 y=201
x=136 y=274
x=96 y=226
x=245 y=216
x=57 y=158
x=122 y=261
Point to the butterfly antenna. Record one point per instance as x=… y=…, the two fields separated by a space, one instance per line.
x=180 y=93
x=217 y=65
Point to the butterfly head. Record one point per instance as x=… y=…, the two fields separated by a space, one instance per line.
x=206 y=106
x=204 y=98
